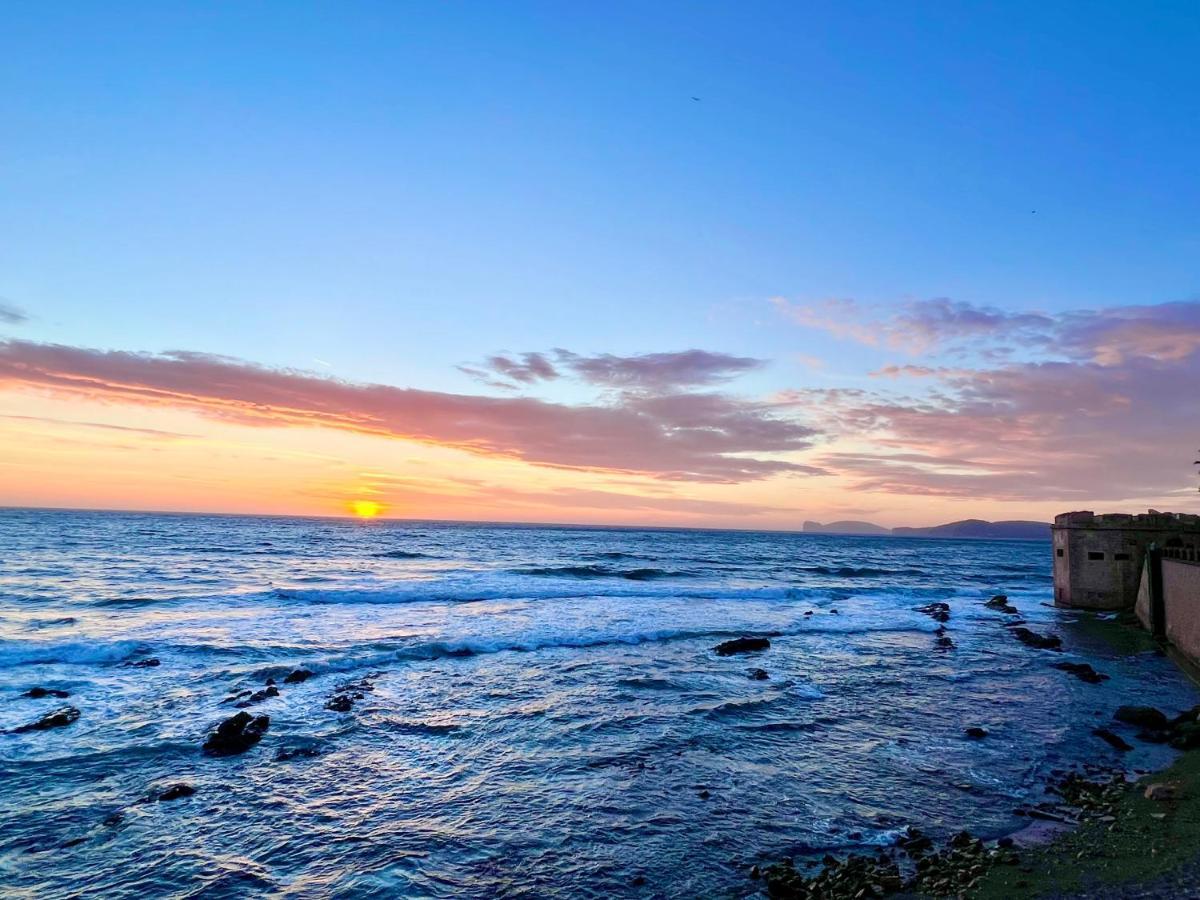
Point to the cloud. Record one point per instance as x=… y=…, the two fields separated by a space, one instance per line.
x=679 y=437
x=920 y=326
x=1118 y=423
x=12 y=315
x=650 y=372
x=102 y=426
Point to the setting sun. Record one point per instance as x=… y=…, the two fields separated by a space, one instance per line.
x=365 y=509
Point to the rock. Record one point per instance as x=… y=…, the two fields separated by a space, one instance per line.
x=1113 y=740
x=1141 y=716
x=1033 y=639
x=236 y=734
x=944 y=643
x=637 y=880
x=1004 y=843
x=962 y=839
x=298 y=676
x=1082 y=671
x=1000 y=602
x=339 y=703
x=758 y=675
x=270 y=682
x=286 y=753
x=1164 y=790
x=143 y=663
x=259 y=696
x=704 y=795
x=113 y=819
x=175 y=792
x=755 y=873
x=939 y=612
x=940 y=630
x=741 y=645
x=976 y=732
x=37 y=693
x=1186 y=737
x=57 y=719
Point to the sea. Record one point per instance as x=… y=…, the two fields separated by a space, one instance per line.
x=534 y=711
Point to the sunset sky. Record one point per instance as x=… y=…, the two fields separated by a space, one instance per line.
x=675 y=263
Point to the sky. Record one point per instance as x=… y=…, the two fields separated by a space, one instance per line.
x=712 y=264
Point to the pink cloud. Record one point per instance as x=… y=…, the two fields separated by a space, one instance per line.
x=685 y=437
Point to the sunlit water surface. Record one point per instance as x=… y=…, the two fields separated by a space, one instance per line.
x=590 y=739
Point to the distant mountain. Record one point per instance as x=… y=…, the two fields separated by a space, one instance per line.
x=967 y=528
x=847 y=527
x=977 y=528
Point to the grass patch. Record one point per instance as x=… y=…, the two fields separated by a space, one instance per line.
x=1149 y=838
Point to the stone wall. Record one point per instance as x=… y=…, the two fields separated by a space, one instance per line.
x=1181 y=601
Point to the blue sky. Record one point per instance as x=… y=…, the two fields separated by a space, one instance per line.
x=386 y=190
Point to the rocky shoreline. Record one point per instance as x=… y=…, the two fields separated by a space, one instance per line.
x=962 y=866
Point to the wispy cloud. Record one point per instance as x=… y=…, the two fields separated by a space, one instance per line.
x=11 y=314
x=650 y=372
x=684 y=437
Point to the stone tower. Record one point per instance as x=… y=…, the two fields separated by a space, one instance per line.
x=1098 y=559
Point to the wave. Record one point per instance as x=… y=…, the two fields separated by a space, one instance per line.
x=25 y=653
x=851 y=572
x=473 y=590
x=402 y=554
x=595 y=571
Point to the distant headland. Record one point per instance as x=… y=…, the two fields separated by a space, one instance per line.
x=967 y=528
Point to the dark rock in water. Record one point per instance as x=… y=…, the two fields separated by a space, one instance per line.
x=175 y=792
x=340 y=703
x=1111 y=739
x=759 y=674
x=637 y=880
x=236 y=734
x=1154 y=737
x=976 y=732
x=113 y=819
x=259 y=696
x=286 y=753
x=940 y=630
x=56 y=719
x=233 y=698
x=1000 y=602
x=1142 y=716
x=298 y=676
x=270 y=682
x=1033 y=639
x=944 y=643
x=1186 y=736
x=1083 y=672
x=962 y=839
x=704 y=795
x=143 y=663
x=741 y=645
x=914 y=841
x=939 y=612
x=834 y=612
x=1005 y=842
x=809 y=613
x=1186 y=718
x=38 y=693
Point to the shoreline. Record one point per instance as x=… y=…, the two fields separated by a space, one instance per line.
x=1102 y=830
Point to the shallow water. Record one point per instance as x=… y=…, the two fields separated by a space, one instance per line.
x=548 y=718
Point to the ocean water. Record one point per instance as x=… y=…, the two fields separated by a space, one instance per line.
x=548 y=716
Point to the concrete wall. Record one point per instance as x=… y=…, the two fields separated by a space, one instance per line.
x=1181 y=599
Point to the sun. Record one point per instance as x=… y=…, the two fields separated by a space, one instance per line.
x=365 y=509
